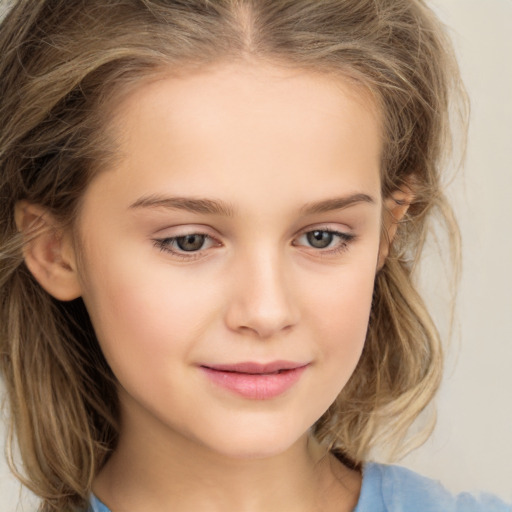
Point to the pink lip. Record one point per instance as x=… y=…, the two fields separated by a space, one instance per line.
x=255 y=380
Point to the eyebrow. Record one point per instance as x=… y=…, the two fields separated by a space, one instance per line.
x=190 y=204
x=336 y=203
x=216 y=207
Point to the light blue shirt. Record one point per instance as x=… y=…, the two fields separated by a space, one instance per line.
x=396 y=489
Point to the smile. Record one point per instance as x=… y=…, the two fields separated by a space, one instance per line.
x=254 y=380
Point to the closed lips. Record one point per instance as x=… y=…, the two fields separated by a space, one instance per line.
x=256 y=381
x=256 y=368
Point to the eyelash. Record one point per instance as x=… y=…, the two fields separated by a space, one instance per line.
x=343 y=244
x=165 y=244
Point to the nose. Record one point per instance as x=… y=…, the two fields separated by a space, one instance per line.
x=263 y=301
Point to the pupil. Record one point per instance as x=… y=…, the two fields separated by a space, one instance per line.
x=190 y=242
x=319 y=239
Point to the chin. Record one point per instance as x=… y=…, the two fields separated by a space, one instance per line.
x=256 y=442
x=254 y=451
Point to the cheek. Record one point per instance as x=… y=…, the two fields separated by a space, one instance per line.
x=345 y=327
x=342 y=299
x=341 y=317
x=137 y=310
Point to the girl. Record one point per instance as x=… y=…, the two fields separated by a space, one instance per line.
x=211 y=211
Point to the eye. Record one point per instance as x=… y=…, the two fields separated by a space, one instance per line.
x=186 y=246
x=190 y=243
x=320 y=239
x=326 y=240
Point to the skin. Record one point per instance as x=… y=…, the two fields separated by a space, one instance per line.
x=267 y=143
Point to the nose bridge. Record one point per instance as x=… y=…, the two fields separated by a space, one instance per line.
x=262 y=300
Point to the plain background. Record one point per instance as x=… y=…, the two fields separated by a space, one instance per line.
x=471 y=448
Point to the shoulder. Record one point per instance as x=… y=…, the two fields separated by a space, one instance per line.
x=95 y=505
x=397 y=489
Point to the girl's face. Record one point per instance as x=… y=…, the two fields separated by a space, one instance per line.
x=228 y=258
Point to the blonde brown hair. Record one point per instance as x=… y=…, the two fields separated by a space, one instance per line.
x=62 y=63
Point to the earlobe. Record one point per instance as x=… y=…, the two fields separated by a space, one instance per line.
x=48 y=251
x=395 y=208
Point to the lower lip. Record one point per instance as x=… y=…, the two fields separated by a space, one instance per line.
x=262 y=386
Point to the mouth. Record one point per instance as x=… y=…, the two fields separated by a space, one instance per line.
x=257 y=368
x=256 y=381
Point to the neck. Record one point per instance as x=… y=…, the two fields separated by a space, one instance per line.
x=164 y=471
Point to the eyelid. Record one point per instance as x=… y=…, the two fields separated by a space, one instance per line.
x=165 y=244
x=175 y=231
x=341 y=246
x=344 y=233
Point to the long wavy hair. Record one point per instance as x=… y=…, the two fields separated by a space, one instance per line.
x=63 y=63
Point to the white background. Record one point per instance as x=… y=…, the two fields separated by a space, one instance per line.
x=472 y=444
x=471 y=448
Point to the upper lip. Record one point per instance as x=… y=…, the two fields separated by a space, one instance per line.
x=255 y=368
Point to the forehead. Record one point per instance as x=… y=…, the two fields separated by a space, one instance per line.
x=252 y=124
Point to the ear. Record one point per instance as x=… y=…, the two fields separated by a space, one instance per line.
x=48 y=251
x=395 y=208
